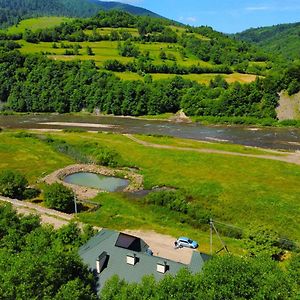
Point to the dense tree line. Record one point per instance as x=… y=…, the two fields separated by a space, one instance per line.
x=40 y=263
x=146 y=66
x=36 y=84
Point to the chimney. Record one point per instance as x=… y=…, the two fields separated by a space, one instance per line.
x=101 y=261
x=131 y=259
x=162 y=267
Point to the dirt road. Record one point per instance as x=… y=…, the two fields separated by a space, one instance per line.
x=161 y=245
x=293 y=158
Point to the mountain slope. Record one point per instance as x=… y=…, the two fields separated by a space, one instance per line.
x=281 y=39
x=135 y=10
x=11 y=11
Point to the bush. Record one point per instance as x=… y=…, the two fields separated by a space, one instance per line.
x=30 y=193
x=173 y=200
x=12 y=184
x=59 y=197
x=106 y=157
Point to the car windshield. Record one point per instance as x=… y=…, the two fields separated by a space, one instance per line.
x=190 y=241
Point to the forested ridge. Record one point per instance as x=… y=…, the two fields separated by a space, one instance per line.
x=283 y=39
x=11 y=11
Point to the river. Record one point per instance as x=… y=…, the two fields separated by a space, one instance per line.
x=273 y=138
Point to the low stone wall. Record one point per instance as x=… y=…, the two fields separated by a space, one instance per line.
x=135 y=180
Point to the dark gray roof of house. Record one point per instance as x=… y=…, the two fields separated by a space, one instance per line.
x=109 y=241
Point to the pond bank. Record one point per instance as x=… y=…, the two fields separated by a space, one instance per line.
x=83 y=193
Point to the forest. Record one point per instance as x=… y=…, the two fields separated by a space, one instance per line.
x=37 y=84
x=29 y=250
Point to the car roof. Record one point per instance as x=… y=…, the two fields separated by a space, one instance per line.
x=183 y=238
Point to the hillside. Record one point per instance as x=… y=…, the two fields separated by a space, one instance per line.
x=163 y=67
x=12 y=11
x=281 y=39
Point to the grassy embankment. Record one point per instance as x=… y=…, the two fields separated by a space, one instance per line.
x=238 y=190
x=107 y=50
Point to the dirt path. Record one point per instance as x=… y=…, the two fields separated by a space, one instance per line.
x=48 y=216
x=293 y=158
x=161 y=245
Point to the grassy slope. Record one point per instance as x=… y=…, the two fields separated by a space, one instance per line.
x=238 y=190
x=29 y=156
x=106 y=50
x=36 y=23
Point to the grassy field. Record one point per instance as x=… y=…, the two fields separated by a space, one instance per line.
x=36 y=23
x=108 y=50
x=238 y=190
x=200 y=78
x=186 y=143
x=107 y=30
x=29 y=156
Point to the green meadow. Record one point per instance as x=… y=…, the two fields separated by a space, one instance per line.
x=36 y=23
x=241 y=191
x=108 y=50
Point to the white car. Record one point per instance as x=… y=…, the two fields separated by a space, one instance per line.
x=185 y=242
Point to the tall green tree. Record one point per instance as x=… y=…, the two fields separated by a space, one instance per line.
x=12 y=184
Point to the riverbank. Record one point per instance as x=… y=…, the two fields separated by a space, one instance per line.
x=180 y=118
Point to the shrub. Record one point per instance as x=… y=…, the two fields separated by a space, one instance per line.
x=105 y=157
x=173 y=200
x=59 y=197
x=12 y=184
x=262 y=240
x=30 y=193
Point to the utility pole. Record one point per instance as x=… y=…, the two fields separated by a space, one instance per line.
x=212 y=227
x=75 y=204
x=211 y=235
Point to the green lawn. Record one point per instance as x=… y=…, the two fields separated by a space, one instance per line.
x=36 y=23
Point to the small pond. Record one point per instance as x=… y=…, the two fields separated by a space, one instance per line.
x=92 y=180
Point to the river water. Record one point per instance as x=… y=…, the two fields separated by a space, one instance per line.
x=274 y=138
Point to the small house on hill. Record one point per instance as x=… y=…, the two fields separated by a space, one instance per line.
x=110 y=252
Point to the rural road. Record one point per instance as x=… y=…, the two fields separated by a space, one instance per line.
x=293 y=158
x=161 y=245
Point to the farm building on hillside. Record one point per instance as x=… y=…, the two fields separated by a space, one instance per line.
x=110 y=252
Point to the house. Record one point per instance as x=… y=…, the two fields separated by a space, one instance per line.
x=110 y=252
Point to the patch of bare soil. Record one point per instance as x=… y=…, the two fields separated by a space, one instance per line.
x=289 y=107
x=163 y=245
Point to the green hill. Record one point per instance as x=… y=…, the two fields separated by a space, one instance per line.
x=281 y=39
x=12 y=11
